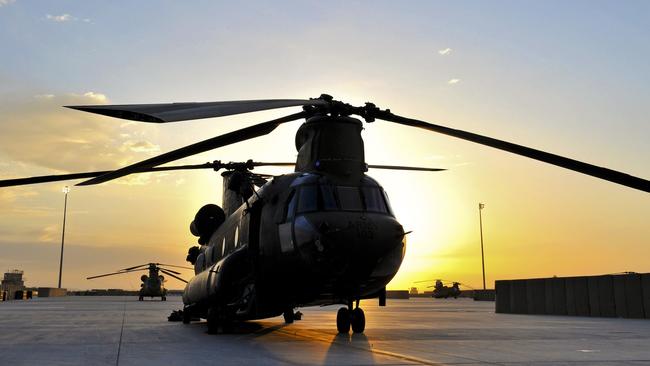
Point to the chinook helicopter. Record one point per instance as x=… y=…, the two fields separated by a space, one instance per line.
x=322 y=235
x=153 y=284
x=443 y=289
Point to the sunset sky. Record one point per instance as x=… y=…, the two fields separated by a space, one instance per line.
x=572 y=78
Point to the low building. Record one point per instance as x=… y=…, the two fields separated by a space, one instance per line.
x=12 y=283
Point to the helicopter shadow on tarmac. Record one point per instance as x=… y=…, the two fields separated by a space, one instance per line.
x=338 y=352
x=337 y=347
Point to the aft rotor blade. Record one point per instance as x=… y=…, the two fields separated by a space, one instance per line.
x=169 y=270
x=173 y=265
x=274 y=164
x=130 y=268
x=399 y=167
x=571 y=164
x=116 y=273
x=372 y=166
x=199 y=147
x=72 y=176
x=172 y=275
x=172 y=112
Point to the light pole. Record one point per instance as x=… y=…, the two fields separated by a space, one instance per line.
x=480 y=221
x=66 y=189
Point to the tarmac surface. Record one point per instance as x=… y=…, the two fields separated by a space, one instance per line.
x=124 y=331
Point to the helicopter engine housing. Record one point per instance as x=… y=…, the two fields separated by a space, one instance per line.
x=206 y=221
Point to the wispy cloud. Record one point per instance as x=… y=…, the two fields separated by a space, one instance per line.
x=453 y=81
x=63 y=18
x=67 y=140
x=140 y=146
x=50 y=234
x=445 y=51
x=59 y=18
x=6 y=2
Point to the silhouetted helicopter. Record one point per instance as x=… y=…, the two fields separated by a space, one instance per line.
x=442 y=290
x=152 y=285
x=324 y=234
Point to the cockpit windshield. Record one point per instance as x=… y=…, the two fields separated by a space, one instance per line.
x=327 y=197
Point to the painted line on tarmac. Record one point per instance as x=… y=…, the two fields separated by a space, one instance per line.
x=315 y=336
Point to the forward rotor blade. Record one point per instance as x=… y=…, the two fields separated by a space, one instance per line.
x=172 y=275
x=199 y=147
x=116 y=273
x=399 y=167
x=172 y=112
x=173 y=265
x=575 y=165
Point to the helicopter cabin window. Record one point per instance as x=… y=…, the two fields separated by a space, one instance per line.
x=349 y=198
x=291 y=206
x=200 y=263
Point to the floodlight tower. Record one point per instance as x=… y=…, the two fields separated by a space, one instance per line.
x=480 y=220
x=66 y=189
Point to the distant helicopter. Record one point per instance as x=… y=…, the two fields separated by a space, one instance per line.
x=442 y=290
x=152 y=285
x=325 y=234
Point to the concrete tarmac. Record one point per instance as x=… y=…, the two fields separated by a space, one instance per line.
x=124 y=331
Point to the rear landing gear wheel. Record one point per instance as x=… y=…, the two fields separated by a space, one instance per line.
x=213 y=320
x=288 y=316
x=187 y=315
x=358 y=320
x=343 y=320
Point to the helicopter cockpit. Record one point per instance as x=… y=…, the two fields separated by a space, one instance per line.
x=314 y=193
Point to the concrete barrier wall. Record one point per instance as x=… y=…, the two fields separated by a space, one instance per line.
x=625 y=296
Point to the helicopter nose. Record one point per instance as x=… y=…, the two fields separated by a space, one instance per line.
x=342 y=242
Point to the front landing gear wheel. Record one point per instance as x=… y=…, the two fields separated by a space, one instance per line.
x=358 y=320
x=343 y=320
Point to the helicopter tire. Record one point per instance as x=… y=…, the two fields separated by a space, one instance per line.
x=187 y=315
x=358 y=320
x=213 y=320
x=288 y=316
x=343 y=320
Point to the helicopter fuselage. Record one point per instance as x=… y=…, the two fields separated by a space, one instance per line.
x=324 y=234
x=300 y=241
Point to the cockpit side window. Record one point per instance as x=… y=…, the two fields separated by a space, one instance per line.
x=390 y=210
x=374 y=199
